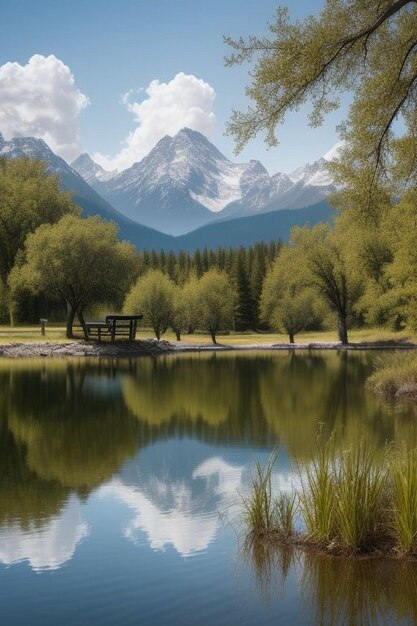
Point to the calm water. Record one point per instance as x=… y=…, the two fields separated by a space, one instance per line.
x=119 y=481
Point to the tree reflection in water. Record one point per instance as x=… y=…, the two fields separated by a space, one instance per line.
x=338 y=591
x=68 y=426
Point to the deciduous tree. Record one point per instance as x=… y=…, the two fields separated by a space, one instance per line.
x=29 y=197
x=78 y=260
x=216 y=302
x=153 y=296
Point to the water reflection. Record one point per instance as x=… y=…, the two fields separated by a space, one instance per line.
x=168 y=437
x=46 y=546
x=337 y=591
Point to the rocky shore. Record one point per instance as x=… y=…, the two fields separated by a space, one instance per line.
x=153 y=347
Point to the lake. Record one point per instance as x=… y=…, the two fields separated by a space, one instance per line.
x=120 y=482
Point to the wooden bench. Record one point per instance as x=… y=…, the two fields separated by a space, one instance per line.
x=114 y=326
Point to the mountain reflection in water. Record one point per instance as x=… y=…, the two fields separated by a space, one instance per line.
x=162 y=448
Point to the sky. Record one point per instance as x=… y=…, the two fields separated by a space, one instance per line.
x=111 y=77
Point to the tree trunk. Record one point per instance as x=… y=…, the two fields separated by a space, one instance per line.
x=342 y=328
x=157 y=333
x=11 y=313
x=213 y=337
x=178 y=335
x=82 y=322
x=70 y=320
x=291 y=336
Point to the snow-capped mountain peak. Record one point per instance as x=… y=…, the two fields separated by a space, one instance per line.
x=185 y=182
x=90 y=170
x=315 y=174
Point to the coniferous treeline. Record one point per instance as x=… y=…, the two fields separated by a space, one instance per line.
x=246 y=267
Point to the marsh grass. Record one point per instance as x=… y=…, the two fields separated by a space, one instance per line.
x=317 y=497
x=404 y=494
x=284 y=514
x=358 y=487
x=395 y=375
x=258 y=506
x=348 y=502
x=264 y=512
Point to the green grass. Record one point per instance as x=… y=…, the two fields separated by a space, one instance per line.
x=258 y=507
x=404 y=481
x=349 y=502
x=395 y=375
x=318 y=497
x=359 y=485
x=56 y=332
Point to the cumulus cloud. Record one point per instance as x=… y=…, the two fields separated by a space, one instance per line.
x=40 y=99
x=166 y=108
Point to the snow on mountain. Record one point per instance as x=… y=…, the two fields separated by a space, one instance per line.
x=83 y=194
x=185 y=182
x=90 y=170
x=315 y=175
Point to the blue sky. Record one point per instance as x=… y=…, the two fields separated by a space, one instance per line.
x=113 y=47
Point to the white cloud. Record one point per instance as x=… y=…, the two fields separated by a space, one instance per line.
x=166 y=108
x=40 y=99
x=46 y=546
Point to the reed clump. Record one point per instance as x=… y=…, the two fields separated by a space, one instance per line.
x=395 y=376
x=265 y=512
x=349 y=501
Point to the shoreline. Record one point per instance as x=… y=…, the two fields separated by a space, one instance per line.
x=273 y=540
x=153 y=347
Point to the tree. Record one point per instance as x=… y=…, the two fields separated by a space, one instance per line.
x=216 y=298
x=321 y=256
x=369 y=48
x=181 y=314
x=153 y=296
x=245 y=313
x=29 y=197
x=287 y=304
x=79 y=261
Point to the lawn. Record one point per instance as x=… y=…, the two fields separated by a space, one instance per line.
x=56 y=333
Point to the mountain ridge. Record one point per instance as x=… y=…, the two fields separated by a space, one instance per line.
x=243 y=230
x=185 y=182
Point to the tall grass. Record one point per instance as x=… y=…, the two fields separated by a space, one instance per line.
x=347 y=501
x=404 y=494
x=258 y=506
x=265 y=512
x=395 y=375
x=318 y=498
x=358 y=493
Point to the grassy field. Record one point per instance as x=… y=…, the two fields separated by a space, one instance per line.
x=56 y=333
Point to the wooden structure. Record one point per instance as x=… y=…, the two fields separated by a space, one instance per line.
x=114 y=326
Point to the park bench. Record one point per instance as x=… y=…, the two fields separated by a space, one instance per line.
x=114 y=326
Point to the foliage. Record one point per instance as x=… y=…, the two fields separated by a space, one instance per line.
x=78 y=260
x=29 y=197
x=321 y=254
x=369 y=48
x=287 y=303
x=216 y=301
x=153 y=296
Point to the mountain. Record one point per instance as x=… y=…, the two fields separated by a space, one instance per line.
x=90 y=170
x=83 y=195
x=244 y=231
x=186 y=182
